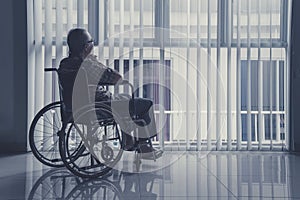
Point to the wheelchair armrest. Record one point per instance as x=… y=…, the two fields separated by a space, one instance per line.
x=119 y=83
x=126 y=82
x=92 y=87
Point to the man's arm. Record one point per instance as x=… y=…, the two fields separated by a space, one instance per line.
x=99 y=73
x=110 y=76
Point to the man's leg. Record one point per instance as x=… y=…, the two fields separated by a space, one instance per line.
x=144 y=110
x=146 y=130
x=127 y=141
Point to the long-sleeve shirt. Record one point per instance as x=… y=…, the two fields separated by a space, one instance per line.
x=97 y=74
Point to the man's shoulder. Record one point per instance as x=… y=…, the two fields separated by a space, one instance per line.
x=70 y=63
x=92 y=64
x=71 y=60
x=92 y=60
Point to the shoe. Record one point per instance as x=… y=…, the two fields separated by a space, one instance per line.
x=127 y=142
x=128 y=148
x=149 y=153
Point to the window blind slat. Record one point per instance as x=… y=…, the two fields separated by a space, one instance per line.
x=31 y=65
x=209 y=84
x=277 y=101
x=101 y=31
x=271 y=76
x=255 y=127
x=198 y=87
x=229 y=77
x=39 y=68
x=48 y=63
x=287 y=78
x=161 y=92
x=131 y=70
x=111 y=32
x=263 y=128
x=161 y=77
x=218 y=81
x=39 y=65
x=249 y=133
x=48 y=51
x=121 y=44
x=187 y=99
x=260 y=81
x=69 y=14
x=58 y=42
x=238 y=79
x=111 y=36
x=80 y=13
x=58 y=50
x=141 y=50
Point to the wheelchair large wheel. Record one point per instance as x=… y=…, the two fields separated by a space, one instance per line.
x=96 y=189
x=100 y=136
x=43 y=137
x=54 y=184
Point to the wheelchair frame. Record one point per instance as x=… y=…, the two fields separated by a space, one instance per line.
x=59 y=144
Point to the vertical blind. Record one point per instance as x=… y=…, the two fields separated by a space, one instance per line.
x=228 y=76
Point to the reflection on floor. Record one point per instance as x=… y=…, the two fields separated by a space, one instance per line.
x=218 y=175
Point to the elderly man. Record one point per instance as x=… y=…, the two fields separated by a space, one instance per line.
x=80 y=45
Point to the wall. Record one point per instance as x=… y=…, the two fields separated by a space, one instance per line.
x=295 y=79
x=13 y=76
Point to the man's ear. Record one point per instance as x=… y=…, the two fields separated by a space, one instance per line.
x=88 y=48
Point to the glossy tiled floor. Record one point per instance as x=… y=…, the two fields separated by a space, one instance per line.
x=218 y=175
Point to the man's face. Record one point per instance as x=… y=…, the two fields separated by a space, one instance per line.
x=89 y=44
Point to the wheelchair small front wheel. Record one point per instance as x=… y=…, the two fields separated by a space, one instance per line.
x=107 y=153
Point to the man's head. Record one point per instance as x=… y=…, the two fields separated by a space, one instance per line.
x=80 y=42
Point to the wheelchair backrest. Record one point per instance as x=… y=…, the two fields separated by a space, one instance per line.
x=81 y=93
x=74 y=92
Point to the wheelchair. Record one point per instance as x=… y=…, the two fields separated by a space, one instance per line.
x=88 y=142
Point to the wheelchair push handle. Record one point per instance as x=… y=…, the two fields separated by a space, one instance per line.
x=50 y=69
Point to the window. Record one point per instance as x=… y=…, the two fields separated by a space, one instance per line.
x=210 y=50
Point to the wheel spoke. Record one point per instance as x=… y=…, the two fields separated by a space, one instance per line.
x=44 y=129
x=43 y=125
x=50 y=122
